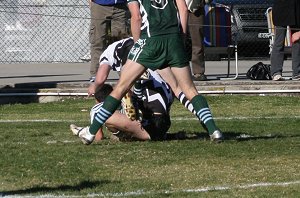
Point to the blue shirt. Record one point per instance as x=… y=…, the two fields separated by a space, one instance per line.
x=108 y=2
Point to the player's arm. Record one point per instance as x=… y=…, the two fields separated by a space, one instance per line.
x=101 y=76
x=135 y=20
x=120 y=122
x=183 y=14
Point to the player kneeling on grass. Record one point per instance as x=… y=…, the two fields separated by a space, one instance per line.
x=155 y=119
x=153 y=97
x=113 y=59
x=118 y=123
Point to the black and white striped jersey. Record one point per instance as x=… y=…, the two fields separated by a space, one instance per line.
x=112 y=56
x=157 y=95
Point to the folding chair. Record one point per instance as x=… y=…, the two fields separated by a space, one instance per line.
x=271 y=34
x=217 y=34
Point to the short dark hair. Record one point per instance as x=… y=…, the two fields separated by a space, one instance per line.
x=157 y=125
x=102 y=92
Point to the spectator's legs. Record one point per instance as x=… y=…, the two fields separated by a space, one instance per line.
x=277 y=55
x=97 y=34
x=296 y=58
x=196 y=21
x=108 y=24
x=119 y=23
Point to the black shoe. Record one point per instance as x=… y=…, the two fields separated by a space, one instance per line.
x=199 y=77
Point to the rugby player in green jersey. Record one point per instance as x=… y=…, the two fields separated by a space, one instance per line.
x=158 y=29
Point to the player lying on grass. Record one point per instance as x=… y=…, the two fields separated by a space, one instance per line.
x=115 y=56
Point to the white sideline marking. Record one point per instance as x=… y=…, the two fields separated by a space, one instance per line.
x=175 y=118
x=141 y=192
x=241 y=118
x=37 y=120
x=64 y=141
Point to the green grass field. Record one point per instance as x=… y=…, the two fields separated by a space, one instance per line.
x=259 y=157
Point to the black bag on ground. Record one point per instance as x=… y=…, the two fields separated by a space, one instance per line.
x=259 y=71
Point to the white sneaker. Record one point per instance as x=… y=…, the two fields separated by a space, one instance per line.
x=75 y=129
x=217 y=136
x=85 y=136
x=278 y=77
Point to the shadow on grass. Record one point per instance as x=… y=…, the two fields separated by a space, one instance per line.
x=182 y=135
x=44 y=189
x=248 y=137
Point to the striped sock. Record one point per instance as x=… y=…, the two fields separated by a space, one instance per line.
x=203 y=113
x=186 y=103
x=137 y=89
x=108 y=108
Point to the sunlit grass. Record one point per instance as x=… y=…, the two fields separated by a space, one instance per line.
x=39 y=155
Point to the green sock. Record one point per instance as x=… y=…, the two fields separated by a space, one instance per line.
x=203 y=113
x=108 y=108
